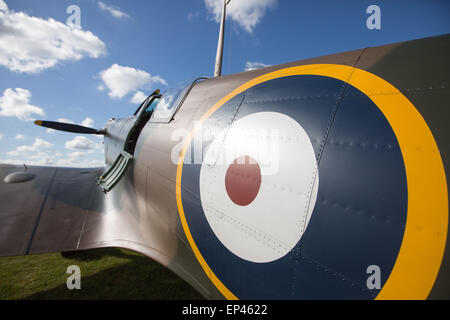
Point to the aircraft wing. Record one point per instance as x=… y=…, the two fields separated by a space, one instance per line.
x=44 y=209
x=62 y=209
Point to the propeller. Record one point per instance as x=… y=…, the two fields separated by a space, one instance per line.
x=68 y=127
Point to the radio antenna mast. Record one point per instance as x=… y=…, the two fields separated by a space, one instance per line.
x=219 y=54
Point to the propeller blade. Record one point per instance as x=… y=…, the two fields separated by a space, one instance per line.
x=68 y=127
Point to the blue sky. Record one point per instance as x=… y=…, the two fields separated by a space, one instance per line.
x=124 y=50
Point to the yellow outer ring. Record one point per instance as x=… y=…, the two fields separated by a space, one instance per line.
x=423 y=245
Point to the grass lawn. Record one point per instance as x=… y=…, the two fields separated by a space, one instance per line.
x=110 y=273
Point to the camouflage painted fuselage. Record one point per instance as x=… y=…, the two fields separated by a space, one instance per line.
x=362 y=155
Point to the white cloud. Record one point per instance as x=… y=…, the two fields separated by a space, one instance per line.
x=31 y=44
x=122 y=80
x=79 y=163
x=3 y=6
x=114 y=11
x=255 y=65
x=88 y=122
x=20 y=136
x=15 y=103
x=37 y=159
x=1 y=136
x=193 y=15
x=65 y=120
x=247 y=13
x=38 y=145
x=75 y=154
x=138 y=97
x=80 y=143
x=46 y=159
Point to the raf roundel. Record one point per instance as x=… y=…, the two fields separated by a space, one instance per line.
x=258 y=185
x=256 y=217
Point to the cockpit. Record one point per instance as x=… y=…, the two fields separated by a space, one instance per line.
x=156 y=108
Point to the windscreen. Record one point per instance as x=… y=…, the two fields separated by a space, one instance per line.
x=169 y=103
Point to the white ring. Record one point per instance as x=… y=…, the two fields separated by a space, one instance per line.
x=272 y=224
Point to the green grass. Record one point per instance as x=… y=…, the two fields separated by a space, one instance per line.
x=110 y=273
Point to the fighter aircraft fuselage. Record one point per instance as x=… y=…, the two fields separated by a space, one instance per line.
x=317 y=179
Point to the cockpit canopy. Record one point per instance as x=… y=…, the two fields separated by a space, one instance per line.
x=163 y=108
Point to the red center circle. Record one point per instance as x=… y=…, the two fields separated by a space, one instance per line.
x=243 y=180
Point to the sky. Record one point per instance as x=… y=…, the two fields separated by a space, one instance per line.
x=85 y=61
